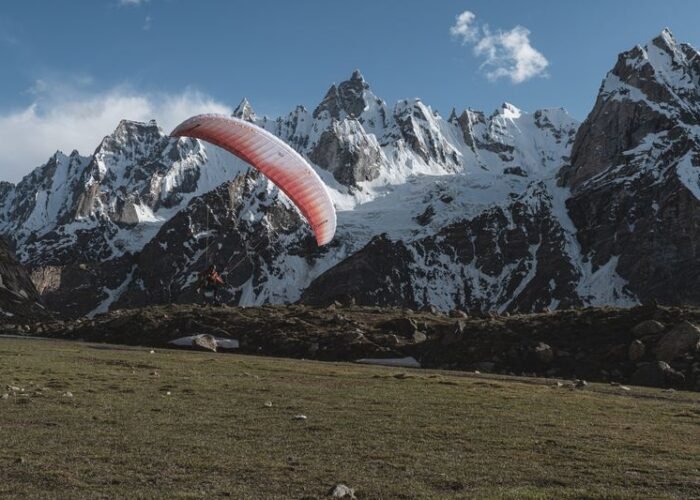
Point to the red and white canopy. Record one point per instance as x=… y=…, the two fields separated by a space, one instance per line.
x=275 y=159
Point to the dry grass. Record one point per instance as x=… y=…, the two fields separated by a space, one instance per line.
x=388 y=433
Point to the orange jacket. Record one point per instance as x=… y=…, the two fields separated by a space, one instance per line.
x=212 y=278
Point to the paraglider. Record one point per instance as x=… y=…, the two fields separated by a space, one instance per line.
x=209 y=282
x=275 y=159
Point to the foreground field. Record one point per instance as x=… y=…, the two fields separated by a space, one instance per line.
x=85 y=421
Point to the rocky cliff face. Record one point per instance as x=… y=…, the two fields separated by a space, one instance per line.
x=508 y=211
x=19 y=299
x=348 y=152
x=635 y=172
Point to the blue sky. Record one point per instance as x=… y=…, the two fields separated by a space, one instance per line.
x=71 y=69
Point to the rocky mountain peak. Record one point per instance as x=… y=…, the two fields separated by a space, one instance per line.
x=508 y=111
x=556 y=118
x=347 y=99
x=244 y=111
x=680 y=53
x=357 y=76
x=452 y=118
x=129 y=141
x=651 y=89
x=663 y=71
x=666 y=42
x=129 y=129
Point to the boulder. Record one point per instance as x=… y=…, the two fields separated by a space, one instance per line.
x=543 y=353
x=353 y=337
x=312 y=349
x=205 y=341
x=405 y=327
x=453 y=334
x=429 y=308
x=636 y=350
x=657 y=374
x=695 y=376
x=683 y=338
x=392 y=340
x=648 y=327
x=341 y=491
x=419 y=337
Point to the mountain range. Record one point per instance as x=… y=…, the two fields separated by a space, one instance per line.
x=508 y=212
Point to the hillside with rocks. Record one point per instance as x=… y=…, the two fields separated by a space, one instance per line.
x=504 y=212
x=645 y=345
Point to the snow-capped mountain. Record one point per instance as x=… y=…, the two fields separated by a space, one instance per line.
x=635 y=173
x=511 y=211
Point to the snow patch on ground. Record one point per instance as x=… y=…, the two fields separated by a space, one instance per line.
x=604 y=286
x=407 y=362
x=222 y=342
x=112 y=296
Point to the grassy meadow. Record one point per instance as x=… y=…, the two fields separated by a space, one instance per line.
x=93 y=421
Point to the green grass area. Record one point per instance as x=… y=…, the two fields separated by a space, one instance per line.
x=182 y=424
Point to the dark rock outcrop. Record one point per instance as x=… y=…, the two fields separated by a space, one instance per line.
x=684 y=338
x=657 y=374
x=19 y=299
x=376 y=275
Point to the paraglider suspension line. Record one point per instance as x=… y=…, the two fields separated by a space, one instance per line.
x=206 y=246
x=246 y=256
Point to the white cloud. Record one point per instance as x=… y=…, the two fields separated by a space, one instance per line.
x=69 y=121
x=464 y=27
x=147 y=23
x=506 y=54
x=132 y=2
x=509 y=54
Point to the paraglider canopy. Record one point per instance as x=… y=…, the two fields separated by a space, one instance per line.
x=275 y=159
